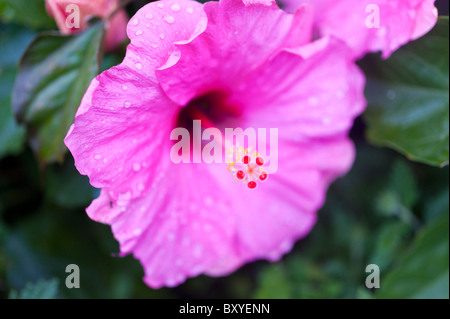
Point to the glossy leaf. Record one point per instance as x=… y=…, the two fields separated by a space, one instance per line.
x=40 y=290
x=422 y=272
x=14 y=41
x=30 y=13
x=54 y=74
x=408 y=97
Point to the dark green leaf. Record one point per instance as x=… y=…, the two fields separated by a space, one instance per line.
x=14 y=41
x=422 y=272
x=409 y=99
x=274 y=284
x=40 y=290
x=388 y=243
x=30 y=13
x=66 y=187
x=54 y=74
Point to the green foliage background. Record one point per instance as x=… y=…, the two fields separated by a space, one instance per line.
x=390 y=210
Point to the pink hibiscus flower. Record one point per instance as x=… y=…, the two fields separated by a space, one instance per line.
x=232 y=65
x=371 y=25
x=63 y=12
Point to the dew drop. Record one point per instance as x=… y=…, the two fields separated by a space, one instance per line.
x=161 y=36
x=169 y=19
x=197 y=251
x=208 y=201
x=160 y=5
x=171 y=236
x=175 y=7
x=105 y=160
x=391 y=95
x=136 y=167
x=139 y=32
x=98 y=156
x=189 y=10
x=381 y=32
x=326 y=120
x=140 y=187
x=154 y=45
x=313 y=101
x=138 y=66
x=149 y=16
x=127 y=104
x=135 y=21
x=124 y=87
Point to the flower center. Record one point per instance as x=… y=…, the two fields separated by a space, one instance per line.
x=212 y=109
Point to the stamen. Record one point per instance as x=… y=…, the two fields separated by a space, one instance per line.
x=244 y=170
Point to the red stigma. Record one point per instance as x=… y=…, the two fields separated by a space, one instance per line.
x=259 y=161
x=251 y=184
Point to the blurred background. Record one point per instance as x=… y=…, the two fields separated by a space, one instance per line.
x=388 y=211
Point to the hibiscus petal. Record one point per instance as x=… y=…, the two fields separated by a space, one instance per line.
x=400 y=21
x=124 y=116
x=181 y=220
x=314 y=91
x=235 y=42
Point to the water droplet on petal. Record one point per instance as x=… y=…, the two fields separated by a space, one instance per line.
x=124 y=87
x=169 y=19
x=98 y=156
x=175 y=7
x=208 y=201
x=313 y=101
x=127 y=104
x=197 y=251
x=105 y=160
x=149 y=16
x=138 y=66
x=189 y=10
x=135 y=21
x=171 y=236
x=160 y=5
x=139 y=32
x=161 y=35
x=136 y=167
